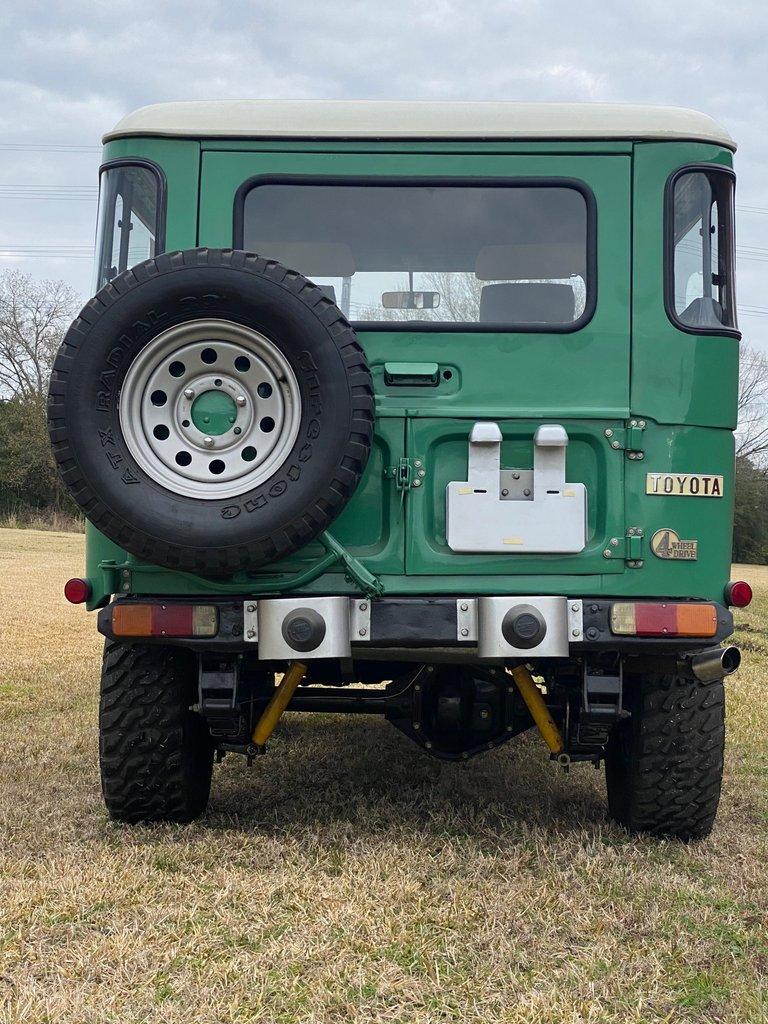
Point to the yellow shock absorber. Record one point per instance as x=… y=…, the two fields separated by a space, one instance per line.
x=280 y=700
x=534 y=701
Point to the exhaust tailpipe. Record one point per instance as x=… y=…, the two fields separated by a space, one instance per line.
x=716 y=663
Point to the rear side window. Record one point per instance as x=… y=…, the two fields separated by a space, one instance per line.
x=413 y=253
x=129 y=227
x=700 y=278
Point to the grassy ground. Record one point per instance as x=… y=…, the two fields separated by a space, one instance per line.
x=348 y=878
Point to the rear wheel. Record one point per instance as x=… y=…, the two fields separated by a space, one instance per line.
x=664 y=764
x=156 y=753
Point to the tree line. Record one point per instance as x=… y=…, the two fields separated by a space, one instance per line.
x=34 y=316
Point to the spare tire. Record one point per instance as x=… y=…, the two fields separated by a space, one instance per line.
x=210 y=410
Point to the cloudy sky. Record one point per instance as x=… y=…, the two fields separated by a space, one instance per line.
x=71 y=68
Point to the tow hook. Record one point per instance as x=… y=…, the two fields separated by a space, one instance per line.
x=716 y=663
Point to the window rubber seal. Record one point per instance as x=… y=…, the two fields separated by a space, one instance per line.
x=669 y=251
x=162 y=191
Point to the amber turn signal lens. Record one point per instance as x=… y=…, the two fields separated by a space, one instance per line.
x=132 y=620
x=696 y=620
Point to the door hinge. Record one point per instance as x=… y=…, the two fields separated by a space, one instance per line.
x=628 y=439
x=628 y=547
x=408 y=473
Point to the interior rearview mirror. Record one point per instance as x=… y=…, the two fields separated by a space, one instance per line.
x=410 y=300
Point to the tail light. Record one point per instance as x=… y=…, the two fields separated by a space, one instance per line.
x=648 y=618
x=77 y=591
x=179 y=620
x=738 y=594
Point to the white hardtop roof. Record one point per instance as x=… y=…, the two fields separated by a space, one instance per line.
x=379 y=119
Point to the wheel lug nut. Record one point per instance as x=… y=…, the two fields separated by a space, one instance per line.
x=189 y=392
x=208 y=442
x=240 y=399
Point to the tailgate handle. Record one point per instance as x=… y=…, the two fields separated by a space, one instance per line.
x=412 y=375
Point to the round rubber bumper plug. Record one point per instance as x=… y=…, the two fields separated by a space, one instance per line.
x=303 y=629
x=523 y=626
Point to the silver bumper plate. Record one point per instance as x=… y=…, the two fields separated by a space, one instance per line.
x=328 y=627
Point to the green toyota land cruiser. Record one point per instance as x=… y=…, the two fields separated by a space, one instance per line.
x=438 y=396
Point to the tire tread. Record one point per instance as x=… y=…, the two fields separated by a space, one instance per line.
x=664 y=765
x=303 y=527
x=155 y=753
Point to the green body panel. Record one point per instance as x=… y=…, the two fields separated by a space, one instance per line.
x=629 y=361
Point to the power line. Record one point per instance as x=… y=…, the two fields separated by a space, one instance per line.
x=11 y=146
x=46 y=147
x=59 y=252
x=78 y=193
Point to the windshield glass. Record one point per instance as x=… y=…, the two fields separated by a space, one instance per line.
x=505 y=254
x=127 y=223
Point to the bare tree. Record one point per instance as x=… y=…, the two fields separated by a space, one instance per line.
x=752 y=431
x=33 y=318
x=459 y=296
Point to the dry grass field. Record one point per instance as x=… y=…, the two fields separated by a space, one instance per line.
x=345 y=877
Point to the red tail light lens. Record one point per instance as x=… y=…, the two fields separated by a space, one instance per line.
x=738 y=594
x=662 y=619
x=164 y=620
x=77 y=591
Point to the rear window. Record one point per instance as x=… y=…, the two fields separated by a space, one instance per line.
x=129 y=220
x=503 y=255
x=700 y=285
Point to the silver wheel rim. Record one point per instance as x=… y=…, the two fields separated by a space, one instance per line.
x=167 y=393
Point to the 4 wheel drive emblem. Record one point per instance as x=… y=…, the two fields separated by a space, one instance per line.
x=689 y=485
x=667 y=544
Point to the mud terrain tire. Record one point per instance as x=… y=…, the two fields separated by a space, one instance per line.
x=248 y=499
x=156 y=754
x=664 y=764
